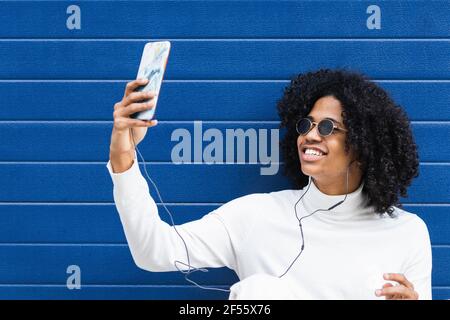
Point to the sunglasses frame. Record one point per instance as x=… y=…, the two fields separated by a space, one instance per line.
x=316 y=124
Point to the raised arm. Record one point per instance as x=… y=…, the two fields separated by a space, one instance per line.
x=154 y=244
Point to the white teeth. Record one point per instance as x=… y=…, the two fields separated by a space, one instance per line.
x=314 y=152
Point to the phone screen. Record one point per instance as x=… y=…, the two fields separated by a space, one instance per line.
x=152 y=66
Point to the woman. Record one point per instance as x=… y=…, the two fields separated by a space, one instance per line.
x=339 y=234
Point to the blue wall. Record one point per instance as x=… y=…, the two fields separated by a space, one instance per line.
x=228 y=66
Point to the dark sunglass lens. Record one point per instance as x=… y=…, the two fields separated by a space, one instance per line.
x=326 y=127
x=303 y=126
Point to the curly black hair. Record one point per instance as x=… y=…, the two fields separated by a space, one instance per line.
x=379 y=132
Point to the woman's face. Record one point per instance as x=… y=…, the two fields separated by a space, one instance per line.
x=331 y=167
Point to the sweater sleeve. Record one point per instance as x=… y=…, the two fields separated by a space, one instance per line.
x=154 y=244
x=418 y=270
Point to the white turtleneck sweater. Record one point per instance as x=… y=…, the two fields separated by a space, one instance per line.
x=346 y=251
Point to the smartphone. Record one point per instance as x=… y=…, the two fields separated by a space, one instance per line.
x=152 y=66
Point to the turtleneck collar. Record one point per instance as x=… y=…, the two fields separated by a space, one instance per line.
x=355 y=203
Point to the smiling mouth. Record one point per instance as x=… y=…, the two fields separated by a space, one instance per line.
x=312 y=155
x=313 y=151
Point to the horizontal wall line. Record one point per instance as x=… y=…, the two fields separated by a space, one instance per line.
x=423 y=204
x=159 y=121
x=49 y=244
x=428 y=163
x=181 y=286
x=210 y=81
x=5 y=203
x=105 y=203
x=140 y=162
x=40 y=244
x=444 y=122
x=431 y=122
x=164 y=81
x=352 y=39
x=112 y=285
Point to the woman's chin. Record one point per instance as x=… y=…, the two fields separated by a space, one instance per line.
x=309 y=173
x=310 y=169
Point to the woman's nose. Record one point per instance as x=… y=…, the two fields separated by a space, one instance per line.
x=313 y=134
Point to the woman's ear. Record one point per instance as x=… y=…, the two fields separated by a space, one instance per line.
x=358 y=164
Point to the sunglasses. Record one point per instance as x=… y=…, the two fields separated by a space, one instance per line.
x=325 y=126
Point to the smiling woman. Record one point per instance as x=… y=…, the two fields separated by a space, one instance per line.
x=338 y=234
x=350 y=137
x=379 y=143
x=322 y=151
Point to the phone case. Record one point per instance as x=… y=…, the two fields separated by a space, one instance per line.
x=152 y=66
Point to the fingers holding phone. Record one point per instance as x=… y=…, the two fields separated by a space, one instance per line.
x=138 y=106
x=131 y=103
x=136 y=111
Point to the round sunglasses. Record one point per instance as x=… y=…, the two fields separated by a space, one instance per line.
x=325 y=126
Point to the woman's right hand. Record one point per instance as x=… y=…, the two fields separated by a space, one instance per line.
x=122 y=146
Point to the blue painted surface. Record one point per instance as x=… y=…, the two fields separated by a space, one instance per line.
x=58 y=87
x=81 y=182
x=25 y=139
x=187 y=101
x=249 y=19
x=227 y=60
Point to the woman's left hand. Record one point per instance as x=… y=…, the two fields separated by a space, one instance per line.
x=404 y=290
